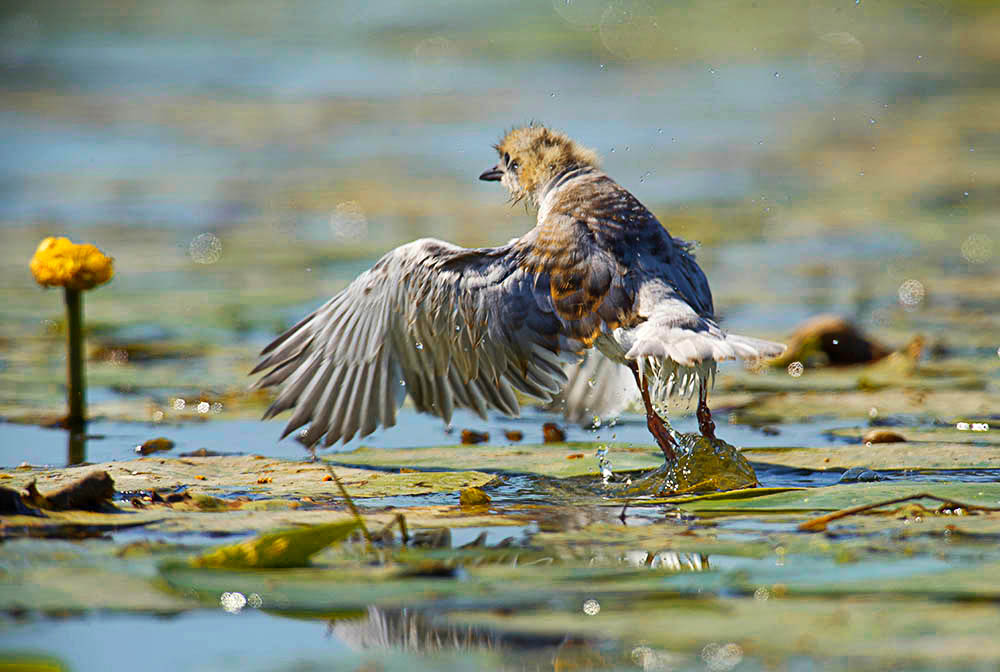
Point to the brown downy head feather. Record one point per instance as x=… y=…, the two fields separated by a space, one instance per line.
x=530 y=157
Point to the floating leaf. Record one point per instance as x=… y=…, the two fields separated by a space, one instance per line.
x=837 y=497
x=473 y=497
x=888 y=456
x=224 y=475
x=544 y=459
x=290 y=548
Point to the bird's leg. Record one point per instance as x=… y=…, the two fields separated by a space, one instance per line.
x=705 y=423
x=653 y=421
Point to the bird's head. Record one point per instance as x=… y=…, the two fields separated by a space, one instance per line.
x=531 y=157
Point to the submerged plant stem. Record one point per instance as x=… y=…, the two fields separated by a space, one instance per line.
x=75 y=381
x=819 y=524
x=352 y=507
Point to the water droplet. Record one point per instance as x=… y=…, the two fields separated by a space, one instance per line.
x=179 y=404
x=204 y=407
x=872 y=412
x=722 y=658
x=233 y=602
x=402 y=383
x=420 y=346
x=592 y=607
x=659 y=131
x=777 y=74
x=795 y=369
x=836 y=342
x=977 y=248
x=206 y=248
x=612 y=150
x=348 y=222
x=596 y=422
x=872 y=121
x=590 y=382
x=911 y=293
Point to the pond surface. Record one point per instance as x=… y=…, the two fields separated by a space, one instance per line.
x=243 y=163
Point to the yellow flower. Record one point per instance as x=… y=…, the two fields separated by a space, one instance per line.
x=58 y=262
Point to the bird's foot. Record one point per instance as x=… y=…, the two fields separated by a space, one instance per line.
x=661 y=433
x=705 y=423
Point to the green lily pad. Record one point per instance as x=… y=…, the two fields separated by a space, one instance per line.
x=264 y=477
x=846 y=629
x=284 y=549
x=54 y=575
x=558 y=460
x=903 y=456
x=930 y=435
x=837 y=497
x=932 y=404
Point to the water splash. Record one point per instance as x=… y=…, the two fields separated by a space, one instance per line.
x=604 y=464
x=702 y=465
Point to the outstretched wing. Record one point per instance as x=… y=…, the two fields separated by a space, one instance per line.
x=451 y=327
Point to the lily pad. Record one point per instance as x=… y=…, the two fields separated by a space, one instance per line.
x=901 y=456
x=558 y=460
x=847 y=629
x=284 y=549
x=262 y=477
x=931 y=435
x=837 y=497
x=931 y=403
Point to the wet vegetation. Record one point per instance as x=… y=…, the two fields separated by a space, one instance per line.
x=838 y=164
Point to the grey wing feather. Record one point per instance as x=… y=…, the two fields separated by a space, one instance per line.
x=451 y=327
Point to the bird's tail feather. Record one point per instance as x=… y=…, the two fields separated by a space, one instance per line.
x=748 y=347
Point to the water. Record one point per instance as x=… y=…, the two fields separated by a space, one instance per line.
x=111 y=441
x=291 y=145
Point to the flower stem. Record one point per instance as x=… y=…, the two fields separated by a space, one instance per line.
x=75 y=390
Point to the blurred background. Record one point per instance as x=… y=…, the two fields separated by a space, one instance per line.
x=244 y=161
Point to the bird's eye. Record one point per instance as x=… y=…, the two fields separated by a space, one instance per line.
x=506 y=158
x=513 y=165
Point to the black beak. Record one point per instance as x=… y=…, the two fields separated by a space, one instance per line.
x=491 y=175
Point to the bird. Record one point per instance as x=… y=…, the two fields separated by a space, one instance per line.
x=452 y=327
